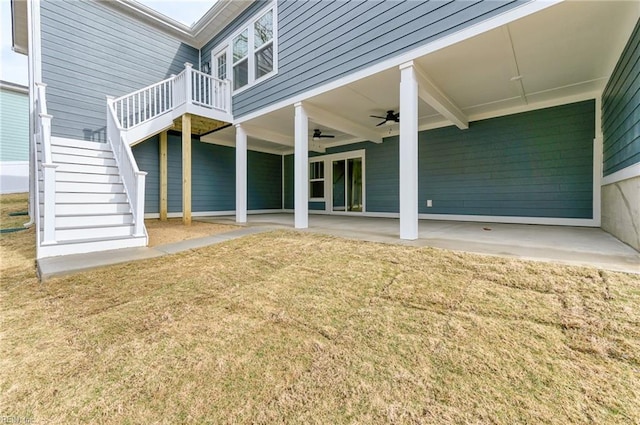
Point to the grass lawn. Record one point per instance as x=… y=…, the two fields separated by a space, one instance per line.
x=300 y=328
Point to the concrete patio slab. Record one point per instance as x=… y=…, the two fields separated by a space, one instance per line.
x=583 y=246
x=566 y=245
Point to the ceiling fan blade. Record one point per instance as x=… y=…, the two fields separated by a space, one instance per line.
x=328 y=136
x=377 y=116
x=382 y=123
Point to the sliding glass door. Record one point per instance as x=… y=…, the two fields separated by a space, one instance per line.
x=347 y=185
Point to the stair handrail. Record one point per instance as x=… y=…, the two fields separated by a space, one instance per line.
x=132 y=178
x=145 y=104
x=43 y=138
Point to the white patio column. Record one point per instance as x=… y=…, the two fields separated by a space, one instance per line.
x=408 y=152
x=301 y=168
x=241 y=175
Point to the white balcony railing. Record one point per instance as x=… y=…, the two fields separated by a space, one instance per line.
x=189 y=87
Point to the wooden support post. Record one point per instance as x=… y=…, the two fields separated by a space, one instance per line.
x=163 y=176
x=186 y=169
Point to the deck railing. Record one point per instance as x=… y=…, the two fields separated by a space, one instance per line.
x=189 y=86
x=42 y=156
x=132 y=178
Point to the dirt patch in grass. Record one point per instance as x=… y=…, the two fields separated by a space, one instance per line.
x=301 y=328
x=172 y=230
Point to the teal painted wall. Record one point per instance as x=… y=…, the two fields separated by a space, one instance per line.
x=621 y=110
x=14 y=125
x=212 y=176
x=533 y=164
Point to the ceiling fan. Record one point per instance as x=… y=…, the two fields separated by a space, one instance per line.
x=390 y=119
x=317 y=135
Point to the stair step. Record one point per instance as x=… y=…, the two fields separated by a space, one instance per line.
x=92 y=208
x=90 y=169
x=87 y=178
x=89 y=187
x=88 y=198
x=82 y=246
x=85 y=144
x=93 y=220
x=97 y=232
x=82 y=160
x=68 y=150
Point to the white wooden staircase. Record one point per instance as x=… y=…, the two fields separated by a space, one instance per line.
x=89 y=196
x=92 y=210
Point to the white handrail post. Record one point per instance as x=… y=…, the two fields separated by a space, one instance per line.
x=188 y=77
x=139 y=206
x=49 y=172
x=172 y=89
x=228 y=96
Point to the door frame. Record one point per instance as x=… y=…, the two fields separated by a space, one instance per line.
x=328 y=180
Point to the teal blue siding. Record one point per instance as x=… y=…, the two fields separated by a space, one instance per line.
x=213 y=178
x=288 y=182
x=322 y=41
x=89 y=50
x=533 y=164
x=14 y=126
x=381 y=168
x=148 y=158
x=264 y=181
x=317 y=206
x=621 y=110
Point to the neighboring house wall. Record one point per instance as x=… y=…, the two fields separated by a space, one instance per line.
x=89 y=51
x=212 y=177
x=621 y=146
x=321 y=41
x=505 y=166
x=14 y=138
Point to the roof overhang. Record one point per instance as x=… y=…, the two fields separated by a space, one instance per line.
x=19 y=27
x=221 y=14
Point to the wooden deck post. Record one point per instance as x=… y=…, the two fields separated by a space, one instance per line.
x=186 y=169
x=163 y=176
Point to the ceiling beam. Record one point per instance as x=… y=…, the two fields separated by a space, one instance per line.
x=337 y=122
x=268 y=135
x=431 y=94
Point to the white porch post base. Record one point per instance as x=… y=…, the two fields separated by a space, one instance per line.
x=241 y=175
x=408 y=153
x=301 y=168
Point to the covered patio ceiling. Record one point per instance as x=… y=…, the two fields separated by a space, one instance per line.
x=562 y=54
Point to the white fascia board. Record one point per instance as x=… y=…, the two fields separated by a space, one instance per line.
x=222 y=13
x=472 y=31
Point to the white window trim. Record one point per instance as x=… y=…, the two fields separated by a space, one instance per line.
x=323 y=179
x=214 y=62
x=328 y=178
x=228 y=46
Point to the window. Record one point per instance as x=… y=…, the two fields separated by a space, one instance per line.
x=263 y=44
x=241 y=60
x=250 y=54
x=316 y=180
x=221 y=65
